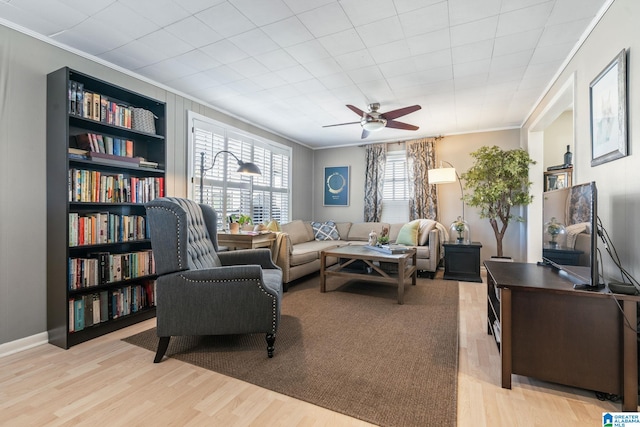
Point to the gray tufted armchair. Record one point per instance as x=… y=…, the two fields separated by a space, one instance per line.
x=202 y=292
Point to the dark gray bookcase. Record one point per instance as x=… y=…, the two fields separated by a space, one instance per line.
x=62 y=127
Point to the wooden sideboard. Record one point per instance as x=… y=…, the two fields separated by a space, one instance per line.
x=547 y=330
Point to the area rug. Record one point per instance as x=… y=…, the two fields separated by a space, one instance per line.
x=353 y=350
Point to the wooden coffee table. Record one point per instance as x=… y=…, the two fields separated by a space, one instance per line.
x=373 y=273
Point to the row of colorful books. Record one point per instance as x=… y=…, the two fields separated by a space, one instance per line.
x=97 y=187
x=103 y=267
x=105 y=227
x=97 y=143
x=99 y=307
x=94 y=106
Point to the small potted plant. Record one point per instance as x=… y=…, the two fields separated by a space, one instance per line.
x=460 y=228
x=243 y=221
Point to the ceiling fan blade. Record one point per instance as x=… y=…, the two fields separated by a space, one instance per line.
x=394 y=114
x=400 y=125
x=365 y=133
x=341 y=124
x=356 y=110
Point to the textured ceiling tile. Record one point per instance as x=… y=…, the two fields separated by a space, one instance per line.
x=276 y=60
x=194 y=32
x=263 y=12
x=225 y=19
x=358 y=59
x=425 y=20
x=224 y=51
x=463 y=11
x=254 y=42
x=361 y=12
x=342 y=42
x=160 y=12
x=288 y=32
x=386 y=31
x=325 y=20
x=525 y=19
x=484 y=29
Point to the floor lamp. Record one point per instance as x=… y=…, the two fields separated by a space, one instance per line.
x=245 y=168
x=443 y=175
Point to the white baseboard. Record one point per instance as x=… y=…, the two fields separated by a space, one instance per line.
x=23 y=344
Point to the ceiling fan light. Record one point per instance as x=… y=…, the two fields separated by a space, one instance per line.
x=374 y=125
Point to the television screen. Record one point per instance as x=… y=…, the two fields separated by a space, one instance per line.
x=570 y=232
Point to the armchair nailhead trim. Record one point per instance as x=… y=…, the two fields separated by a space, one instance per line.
x=177 y=232
x=274 y=305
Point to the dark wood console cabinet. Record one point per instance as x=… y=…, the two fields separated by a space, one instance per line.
x=462 y=261
x=547 y=330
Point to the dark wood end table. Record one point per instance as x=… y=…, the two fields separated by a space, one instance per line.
x=462 y=261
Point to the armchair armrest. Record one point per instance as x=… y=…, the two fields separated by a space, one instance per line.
x=205 y=302
x=261 y=257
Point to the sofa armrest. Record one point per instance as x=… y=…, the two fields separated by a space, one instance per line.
x=434 y=249
x=284 y=248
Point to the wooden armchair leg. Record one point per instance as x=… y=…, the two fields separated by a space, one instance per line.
x=162 y=349
x=271 y=339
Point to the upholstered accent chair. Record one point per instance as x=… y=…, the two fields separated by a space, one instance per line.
x=202 y=292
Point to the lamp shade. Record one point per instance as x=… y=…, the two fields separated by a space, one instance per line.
x=248 y=168
x=441 y=175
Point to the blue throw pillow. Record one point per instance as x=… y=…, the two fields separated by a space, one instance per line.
x=325 y=230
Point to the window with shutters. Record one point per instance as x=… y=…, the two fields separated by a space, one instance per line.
x=395 y=190
x=263 y=197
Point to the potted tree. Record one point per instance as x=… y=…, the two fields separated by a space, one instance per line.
x=498 y=180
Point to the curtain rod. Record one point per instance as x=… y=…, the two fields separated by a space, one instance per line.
x=439 y=137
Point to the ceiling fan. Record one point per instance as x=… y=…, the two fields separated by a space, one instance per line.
x=374 y=120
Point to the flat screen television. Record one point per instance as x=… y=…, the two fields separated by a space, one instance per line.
x=570 y=233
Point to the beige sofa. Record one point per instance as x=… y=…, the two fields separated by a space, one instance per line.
x=298 y=252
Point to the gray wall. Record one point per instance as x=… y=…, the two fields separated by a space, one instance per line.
x=24 y=65
x=617 y=181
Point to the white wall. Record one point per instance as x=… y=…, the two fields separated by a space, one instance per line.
x=24 y=65
x=617 y=181
x=557 y=137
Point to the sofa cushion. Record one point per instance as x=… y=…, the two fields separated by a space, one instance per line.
x=325 y=230
x=360 y=230
x=310 y=251
x=408 y=234
x=426 y=225
x=394 y=229
x=298 y=231
x=343 y=229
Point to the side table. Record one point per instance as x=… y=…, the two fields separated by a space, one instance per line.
x=246 y=240
x=562 y=255
x=462 y=261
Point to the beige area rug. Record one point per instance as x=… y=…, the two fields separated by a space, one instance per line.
x=352 y=350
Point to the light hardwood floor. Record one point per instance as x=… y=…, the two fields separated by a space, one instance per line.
x=109 y=382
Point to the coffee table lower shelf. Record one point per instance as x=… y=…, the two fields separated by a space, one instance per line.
x=373 y=272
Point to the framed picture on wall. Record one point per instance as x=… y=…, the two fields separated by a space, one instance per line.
x=336 y=186
x=608 y=102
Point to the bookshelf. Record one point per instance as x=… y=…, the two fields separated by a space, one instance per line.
x=102 y=166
